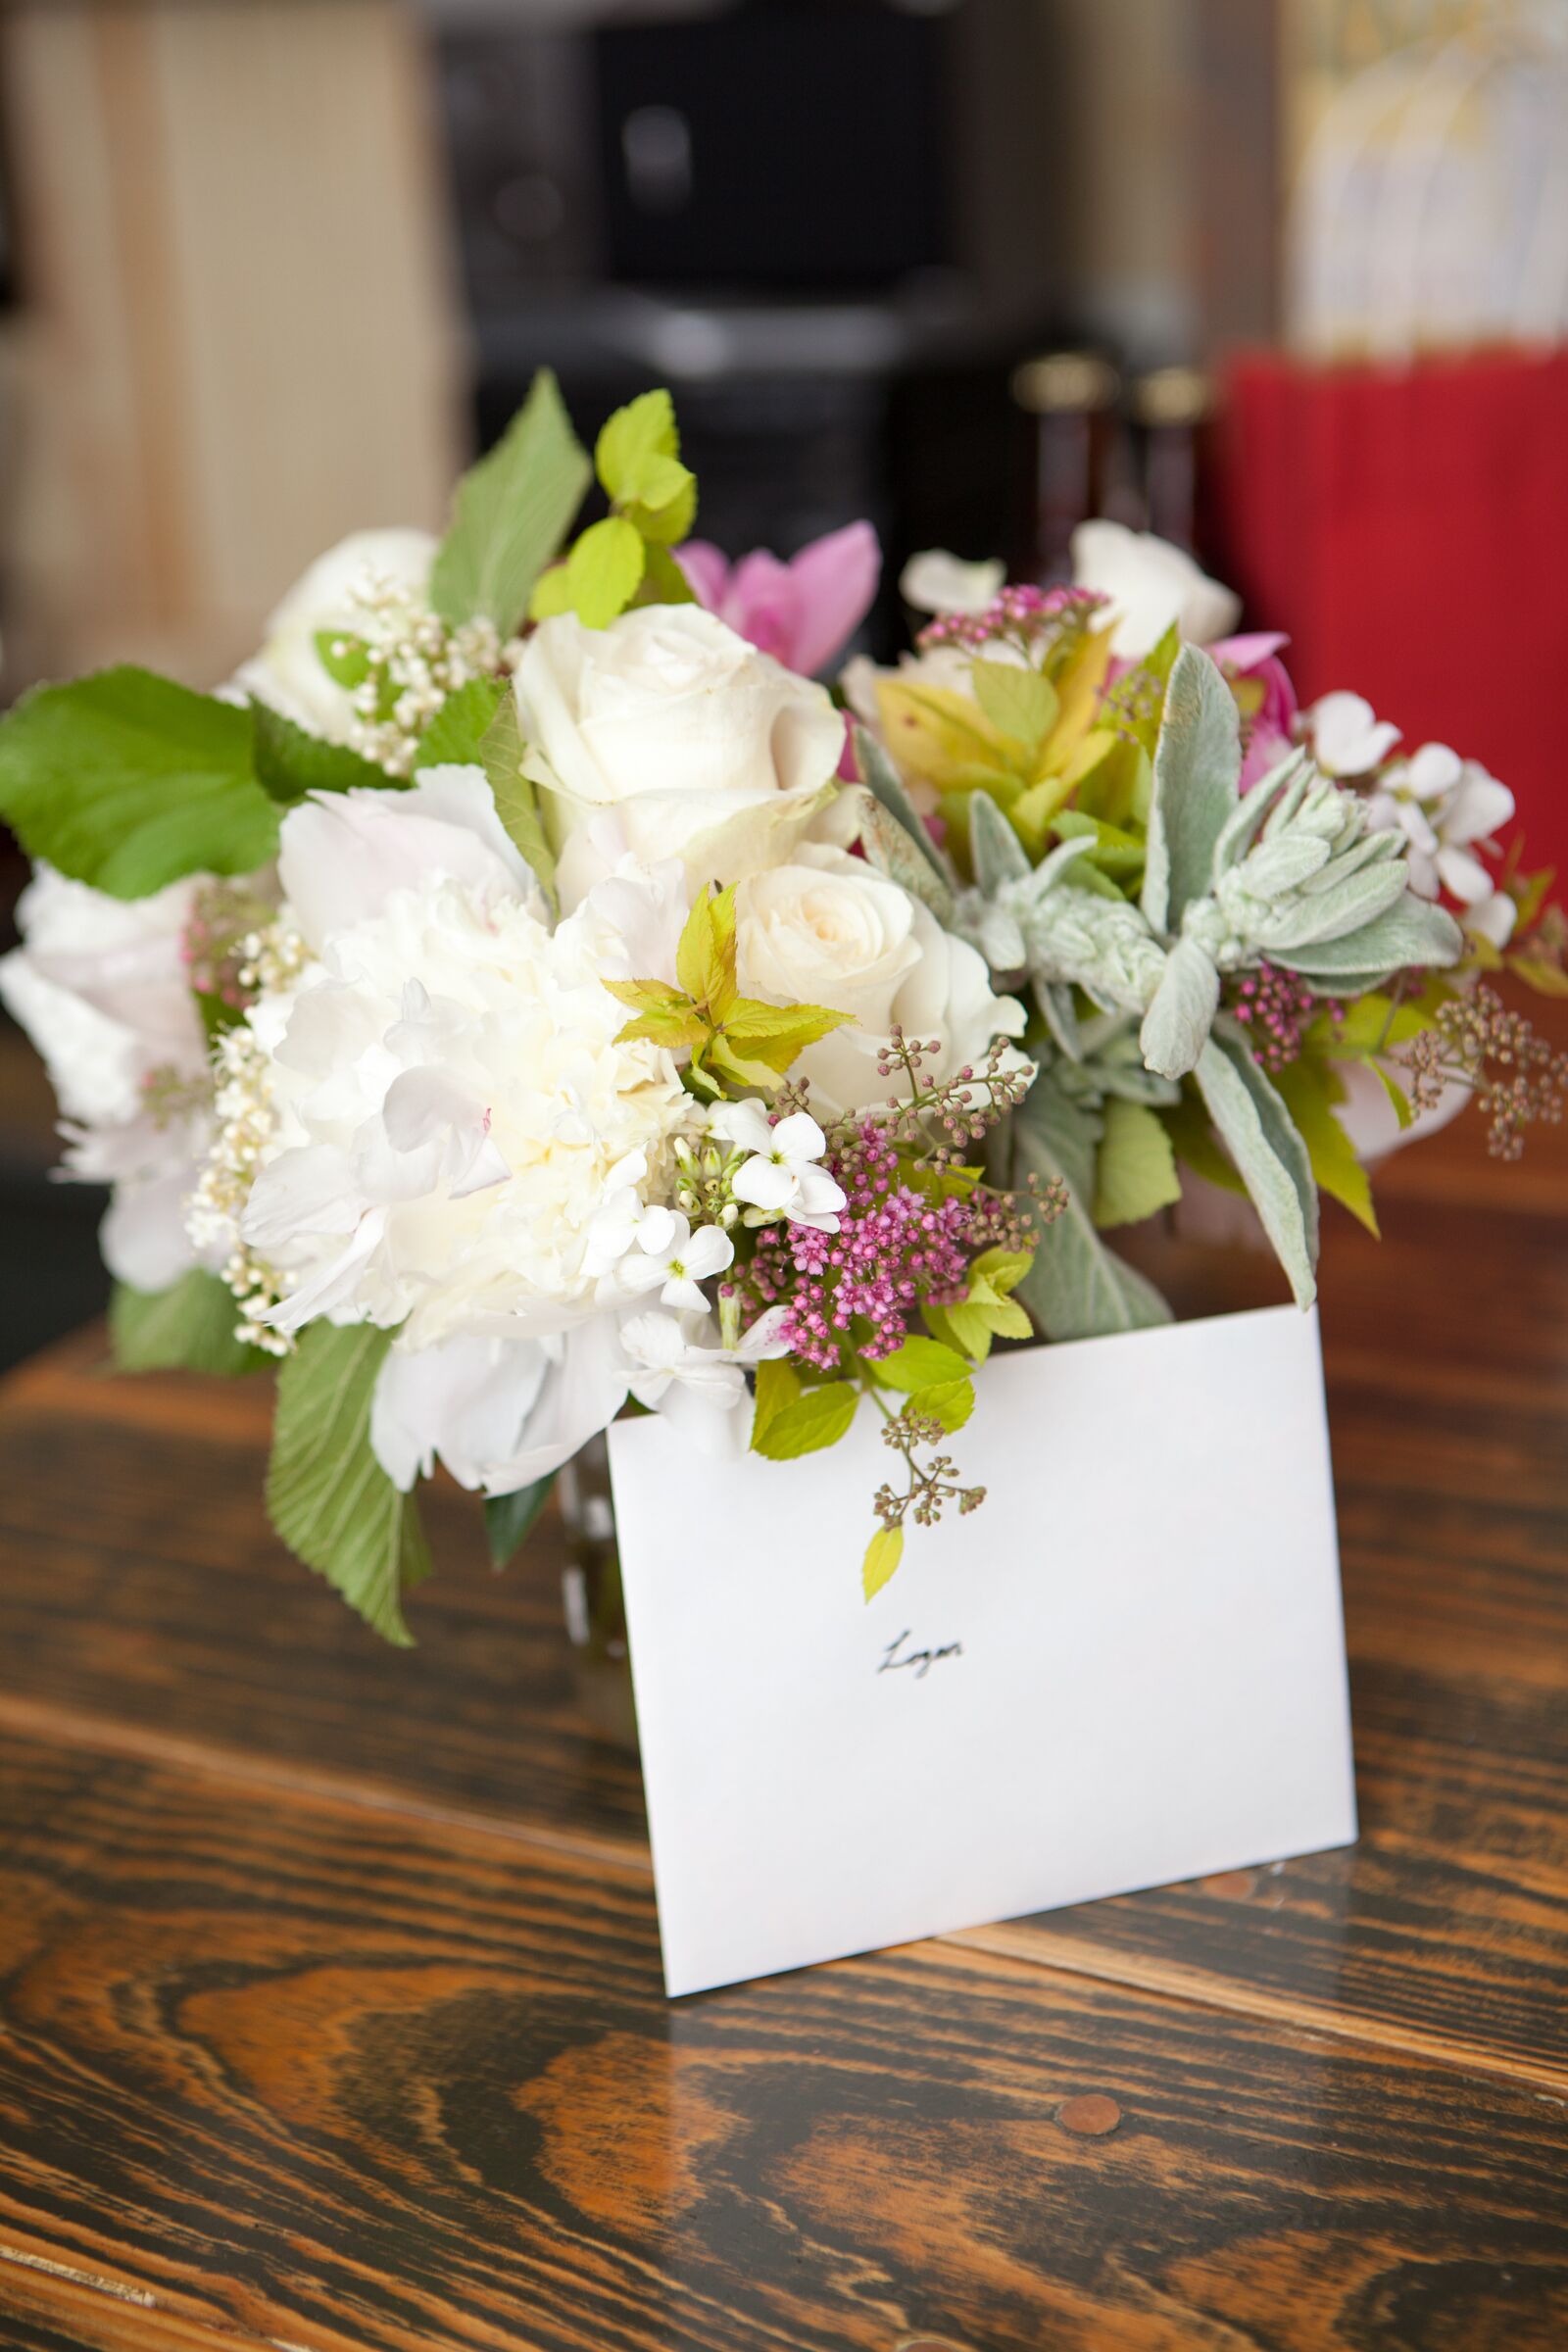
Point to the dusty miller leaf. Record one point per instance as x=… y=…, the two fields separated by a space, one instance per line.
x=1197 y=766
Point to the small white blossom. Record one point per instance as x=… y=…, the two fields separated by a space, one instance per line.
x=782 y=1175
x=1347 y=738
x=935 y=582
x=673 y=1260
x=1446 y=807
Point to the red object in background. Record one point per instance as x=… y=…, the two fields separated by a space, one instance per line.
x=1409 y=528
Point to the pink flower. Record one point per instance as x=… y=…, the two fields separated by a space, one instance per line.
x=802 y=613
x=1267 y=697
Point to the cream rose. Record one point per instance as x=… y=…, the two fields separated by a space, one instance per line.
x=829 y=929
x=287 y=672
x=703 y=748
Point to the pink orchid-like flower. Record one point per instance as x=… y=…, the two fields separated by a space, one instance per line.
x=803 y=612
x=1268 y=699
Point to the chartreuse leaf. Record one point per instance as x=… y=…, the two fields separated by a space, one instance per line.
x=327 y=1496
x=1270 y=1156
x=950 y=1401
x=1021 y=703
x=510 y=514
x=603 y=570
x=817 y=1418
x=510 y=1519
x=501 y=750
x=918 y=1364
x=704 y=959
x=734 y=1040
x=638 y=461
x=126 y=781
x=779 y=1385
x=456 y=735
x=944 y=739
x=988 y=1310
x=1309 y=1090
x=882 y=1556
x=1135 y=1172
x=1197 y=766
x=1402 y=1108
x=187 y=1328
x=290 y=763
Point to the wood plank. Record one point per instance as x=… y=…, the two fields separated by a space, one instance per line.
x=331 y=2078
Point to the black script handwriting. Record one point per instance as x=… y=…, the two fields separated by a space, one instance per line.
x=922 y=1660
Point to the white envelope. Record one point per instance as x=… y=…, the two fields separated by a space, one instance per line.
x=1126 y=1668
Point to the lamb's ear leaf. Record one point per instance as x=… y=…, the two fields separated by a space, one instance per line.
x=1411 y=932
x=994 y=849
x=1075 y=1289
x=883 y=781
x=1271 y=1158
x=326 y=1494
x=510 y=514
x=1197 y=768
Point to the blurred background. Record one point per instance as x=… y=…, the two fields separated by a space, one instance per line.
x=1285 y=281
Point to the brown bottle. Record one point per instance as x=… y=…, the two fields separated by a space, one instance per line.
x=1070 y=397
x=1172 y=413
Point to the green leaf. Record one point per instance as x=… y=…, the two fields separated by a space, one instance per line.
x=327 y=1496
x=1021 y=701
x=456 y=735
x=1002 y=1269
x=1308 y=1092
x=676 y=1027
x=1076 y=1288
x=508 y=1519
x=632 y=445
x=777 y=1034
x=552 y=594
x=510 y=514
x=882 y=1556
x=349 y=666
x=705 y=957
x=604 y=569
x=950 y=1401
x=500 y=758
x=666 y=525
x=1411 y=932
x=1136 y=1171
x=126 y=781
x=779 y=1385
x=1187 y=1125
x=187 y=1328
x=918 y=1364
x=1197 y=766
x=883 y=781
x=1402 y=1109
x=663 y=581
x=290 y=762
x=1270 y=1156
x=817 y=1417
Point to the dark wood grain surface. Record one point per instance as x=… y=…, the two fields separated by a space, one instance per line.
x=330 y=2001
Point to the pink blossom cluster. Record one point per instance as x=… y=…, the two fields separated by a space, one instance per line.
x=1275 y=1008
x=894 y=1248
x=1018 y=610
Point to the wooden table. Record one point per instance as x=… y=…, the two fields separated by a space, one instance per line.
x=330 y=1992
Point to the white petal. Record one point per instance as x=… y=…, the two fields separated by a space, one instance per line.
x=1464 y=875
x=682 y=1291
x=799 y=1137
x=745 y=1124
x=1432 y=770
x=765 y=1184
x=1479 y=807
x=1494 y=919
x=708 y=1252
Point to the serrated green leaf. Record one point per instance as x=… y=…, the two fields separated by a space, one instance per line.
x=326 y=1494
x=455 y=737
x=126 y=781
x=667 y=524
x=1021 y=701
x=1197 y=766
x=1396 y=1094
x=779 y=1385
x=348 y=667
x=510 y=514
x=510 y=1519
x=777 y=1034
x=291 y=762
x=187 y=1328
x=1003 y=1269
x=501 y=757
x=552 y=594
x=817 y=1418
x=663 y=581
x=882 y=1556
x=704 y=955
x=950 y=1401
x=1135 y=1173
x=674 y=1028
x=603 y=570
x=920 y=1365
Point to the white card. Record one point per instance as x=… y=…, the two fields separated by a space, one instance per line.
x=1136 y=1668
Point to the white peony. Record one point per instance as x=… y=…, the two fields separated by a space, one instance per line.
x=449 y=1108
x=287 y=672
x=1149 y=583
x=827 y=929
x=705 y=748
x=99 y=985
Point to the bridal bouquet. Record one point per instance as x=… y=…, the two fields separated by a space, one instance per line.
x=524 y=995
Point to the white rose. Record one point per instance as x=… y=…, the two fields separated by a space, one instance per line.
x=1149 y=583
x=287 y=672
x=99 y=985
x=705 y=748
x=827 y=929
